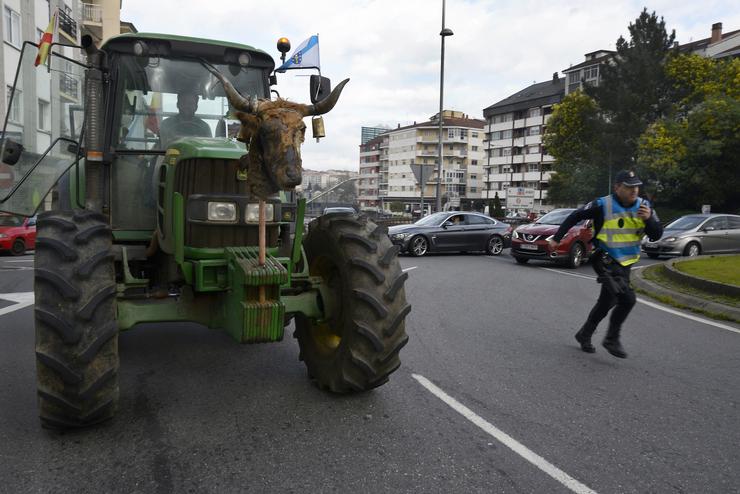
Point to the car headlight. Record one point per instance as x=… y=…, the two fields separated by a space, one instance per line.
x=2 y=235
x=253 y=212
x=400 y=236
x=670 y=239
x=222 y=211
x=515 y=234
x=549 y=238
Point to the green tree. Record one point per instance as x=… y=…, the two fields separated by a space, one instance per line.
x=573 y=138
x=634 y=89
x=694 y=151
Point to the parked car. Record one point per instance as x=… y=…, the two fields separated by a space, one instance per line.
x=17 y=234
x=339 y=210
x=696 y=234
x=452 y=231
x=531 y=241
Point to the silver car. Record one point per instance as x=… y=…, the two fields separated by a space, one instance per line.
x=696 y=234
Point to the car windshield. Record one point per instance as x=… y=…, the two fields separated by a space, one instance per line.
x=163 y=99
x=10 y=220
x=554 y=217
x=432 y=220
x=685 y=223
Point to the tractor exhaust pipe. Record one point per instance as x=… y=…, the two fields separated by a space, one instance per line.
x=94 y=127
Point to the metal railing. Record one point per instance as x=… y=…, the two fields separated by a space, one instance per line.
x=92 y=12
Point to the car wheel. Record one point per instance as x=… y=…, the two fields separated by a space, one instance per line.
x=18 y=248
x=495 y=246
x=418 y=246
x=652 y=255
x=575 y=256
x=692 y=250
x=521 y=260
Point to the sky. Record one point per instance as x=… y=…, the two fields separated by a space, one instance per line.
x=390 y=49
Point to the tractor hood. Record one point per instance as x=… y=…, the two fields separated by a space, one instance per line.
x=204 y=147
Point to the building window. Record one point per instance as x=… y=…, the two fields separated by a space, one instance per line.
x=507 y=152
x=534 y=112
x=43 y=115
x=12 y=27
x=474 y=135
x=474 y=148
x=16 y=109
x=591 y=73
x=474 y=162
x=574 y=77
x=534 y=131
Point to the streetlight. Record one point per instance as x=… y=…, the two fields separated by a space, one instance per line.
x=443 y=34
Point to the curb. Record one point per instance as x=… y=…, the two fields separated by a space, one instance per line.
x=704 y=284
x=654 y=290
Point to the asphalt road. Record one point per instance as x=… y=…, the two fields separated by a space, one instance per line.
x=518 y=407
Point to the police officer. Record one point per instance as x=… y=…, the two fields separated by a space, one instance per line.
x=620 y=220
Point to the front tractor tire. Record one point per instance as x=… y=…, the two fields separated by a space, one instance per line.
x=76 y=331
x=356 y=347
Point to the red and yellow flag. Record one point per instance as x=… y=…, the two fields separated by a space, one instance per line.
x=45 y=42
x=154 y=113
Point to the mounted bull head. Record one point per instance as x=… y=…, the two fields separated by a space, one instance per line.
x=274 y=131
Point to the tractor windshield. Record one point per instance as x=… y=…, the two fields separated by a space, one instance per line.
x=163 y=99
x=42 y=127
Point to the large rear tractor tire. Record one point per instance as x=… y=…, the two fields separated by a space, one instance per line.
x=356 y=347
x=76 y=331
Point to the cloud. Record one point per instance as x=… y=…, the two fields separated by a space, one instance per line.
x=391 y=49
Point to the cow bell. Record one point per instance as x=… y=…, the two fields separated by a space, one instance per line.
x=317 y=125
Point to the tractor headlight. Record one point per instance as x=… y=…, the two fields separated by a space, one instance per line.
x=222 y=212
x=253 y=213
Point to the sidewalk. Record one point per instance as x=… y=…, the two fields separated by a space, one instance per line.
x=704 y=302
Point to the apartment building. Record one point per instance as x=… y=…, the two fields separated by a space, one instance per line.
x=515 y=156
x=368 y=185
x=407 y=158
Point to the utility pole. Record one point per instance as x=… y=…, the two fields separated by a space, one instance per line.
x=443 y=34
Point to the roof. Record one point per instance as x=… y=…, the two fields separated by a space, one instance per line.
x=702 y=43
x=588 y=63
x=471 y=123
x=539 y=94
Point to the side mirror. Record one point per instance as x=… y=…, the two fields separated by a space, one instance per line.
x=708 y=229
x=447 y=223
x=320 y=88
x=11 y=152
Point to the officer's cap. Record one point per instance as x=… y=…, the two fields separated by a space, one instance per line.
x=628 y=178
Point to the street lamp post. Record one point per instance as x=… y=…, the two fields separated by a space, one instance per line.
x=443 y=34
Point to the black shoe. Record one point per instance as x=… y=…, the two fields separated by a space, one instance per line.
x=614 y=347
x=585 y=342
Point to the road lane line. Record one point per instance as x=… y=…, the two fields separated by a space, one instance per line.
x=22 y=300
x=505 y=439
x=570 y=274
x=660 y=307
x=19 y=260
x=409 y=269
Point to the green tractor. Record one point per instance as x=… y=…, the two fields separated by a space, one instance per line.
x=158 y=214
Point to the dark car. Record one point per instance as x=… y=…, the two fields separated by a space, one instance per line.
x=696 y=234
x=17 y=234
x=531 y=241
x=452 y=231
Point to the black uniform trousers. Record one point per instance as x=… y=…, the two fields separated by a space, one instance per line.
x=622 y=303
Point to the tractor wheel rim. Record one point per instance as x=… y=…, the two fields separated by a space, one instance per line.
x=420 y=246
x=495 y=245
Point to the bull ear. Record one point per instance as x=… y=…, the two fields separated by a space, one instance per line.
x=325 y=105
x=249 y=127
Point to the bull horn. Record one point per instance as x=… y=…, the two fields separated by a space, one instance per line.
x=247 y=105
x=325 y=105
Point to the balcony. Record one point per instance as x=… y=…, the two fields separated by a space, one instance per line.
x=92 y=13
x=69 y=86
x=67 y=26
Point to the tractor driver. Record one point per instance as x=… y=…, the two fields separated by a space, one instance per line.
x=185 y=123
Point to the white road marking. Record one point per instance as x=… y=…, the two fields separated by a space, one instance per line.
x=19 y=260
x=570 y=274
x=22 y=299
x=409 y=269
x=660 y=307
x=505 y=439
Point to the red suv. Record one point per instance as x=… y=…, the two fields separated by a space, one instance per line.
x=17 y=234
x=530 y=241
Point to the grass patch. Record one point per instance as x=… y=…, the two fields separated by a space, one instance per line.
x=655 y=274
x=725 y=269
x=672 y=302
